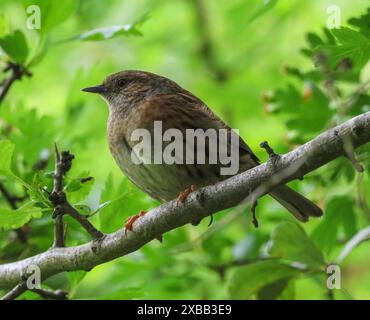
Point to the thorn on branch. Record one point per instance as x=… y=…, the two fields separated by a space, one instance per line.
x=351 y=154
x=253 y=210
x=87 y=179
x=268 y=149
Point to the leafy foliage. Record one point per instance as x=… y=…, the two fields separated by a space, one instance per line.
x=15 y=45
x=7 y=149
x=250 y=279
x=12 y=219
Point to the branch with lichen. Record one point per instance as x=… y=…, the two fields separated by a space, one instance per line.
x=243 y=187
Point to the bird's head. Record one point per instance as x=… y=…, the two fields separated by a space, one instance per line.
x=124 y=90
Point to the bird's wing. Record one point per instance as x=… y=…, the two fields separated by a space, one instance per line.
x=185 y=111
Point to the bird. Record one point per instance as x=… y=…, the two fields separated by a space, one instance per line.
x=140 y=99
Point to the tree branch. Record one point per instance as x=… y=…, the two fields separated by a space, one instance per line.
x=308 y=157
x=16 y=291
x=49 y=294
x=60 y=170
x=63 y=163
x=17 y=72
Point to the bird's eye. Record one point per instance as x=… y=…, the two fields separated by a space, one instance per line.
x=121 y=82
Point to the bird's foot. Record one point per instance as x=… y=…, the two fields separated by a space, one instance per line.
x=130 y=221
x=184 y=194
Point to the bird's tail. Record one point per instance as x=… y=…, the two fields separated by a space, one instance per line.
x=295 y=203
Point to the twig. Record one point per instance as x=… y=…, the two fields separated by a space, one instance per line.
x=44 y=293
x=324 y=148
x=50 y=294
x=351 y=155
x=63 y=164
x=58 y=188
x=17 y=72
x=16 y=291
x=221 y=269
x=84 y=222
x=272 y=158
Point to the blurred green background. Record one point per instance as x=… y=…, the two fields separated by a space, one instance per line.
x=237 y=57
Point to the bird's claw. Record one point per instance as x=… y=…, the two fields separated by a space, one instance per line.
x=130 y=221
x=184 y=194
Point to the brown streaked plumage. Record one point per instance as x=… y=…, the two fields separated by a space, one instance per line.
x=136 y=99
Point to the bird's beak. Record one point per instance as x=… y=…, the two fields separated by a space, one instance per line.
x=96 y=89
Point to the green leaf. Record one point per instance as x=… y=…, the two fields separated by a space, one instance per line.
x=15 y=46
x=75 y=277
x=82 y=180
x=339 y=212
x=362 y=23
x=290 y=242
x=124 y=294
x=116 y=200
x=78 y=187
x=304 y=115
x=248 y=280
x=262 y=8
x=273 y=290
x=351 y=45
x=12 y=219
x=36 y=189
x=108 y=214
x=53 y=13
x=248 y=248
x=34 y=133
x=112 y=32
x=109 y=33
x=288 y=292
x=313 y=39
x=6 y=153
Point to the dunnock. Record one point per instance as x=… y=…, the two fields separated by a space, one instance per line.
x=137 y=99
